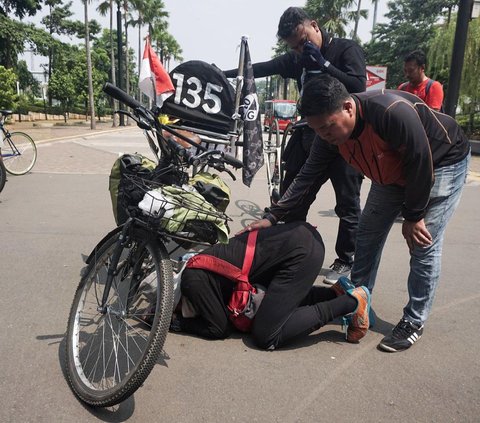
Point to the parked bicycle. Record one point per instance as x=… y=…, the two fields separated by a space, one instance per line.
x=122 y=308
x=19 y=152
x=272 y=158
x=274 y=151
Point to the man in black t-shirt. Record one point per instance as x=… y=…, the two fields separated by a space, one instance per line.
x=314 y=51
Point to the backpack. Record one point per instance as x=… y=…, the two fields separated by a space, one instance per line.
x=212 y=188
x=427 y=90
x=246 y=298
x=124 y=194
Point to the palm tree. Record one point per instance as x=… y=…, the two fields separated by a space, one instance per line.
x=89 y=68
x=333 y=15
x=154 y=13
x=125 y=23
x=166 y=46
x=359 y=13
x=103 y=9
x=138 y=6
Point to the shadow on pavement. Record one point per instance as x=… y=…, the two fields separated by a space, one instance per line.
x=117 y=413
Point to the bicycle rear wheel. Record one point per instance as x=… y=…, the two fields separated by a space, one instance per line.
x=272 y=151
x=19 y=153
x=3 y=175
x=287 y=133
x=109 y=355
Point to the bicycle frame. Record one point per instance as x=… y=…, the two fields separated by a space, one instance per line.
x=14 y=148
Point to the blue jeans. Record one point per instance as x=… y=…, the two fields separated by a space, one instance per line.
x=383 y=204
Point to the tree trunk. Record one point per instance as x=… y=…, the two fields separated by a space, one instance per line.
x=112 y=60
x=89 y=70
x=357 y=19
x=127 y=73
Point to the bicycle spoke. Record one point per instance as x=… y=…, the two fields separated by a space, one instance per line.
x=110 y=349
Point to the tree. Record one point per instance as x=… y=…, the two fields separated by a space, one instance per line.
x=166 y=46
x=57 y=22
x=103 y=9
x=7 y=88
x=27 y=82
x=334 y=15
x=411 y=25
x=439 y=60
x=89 y=68
x=61 y=86
x=16 y=35
x=20 y=8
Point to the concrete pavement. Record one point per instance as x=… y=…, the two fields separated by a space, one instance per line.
x=55 y=215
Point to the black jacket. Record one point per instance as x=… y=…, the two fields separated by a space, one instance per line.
x=347 y=64
x=397 y=140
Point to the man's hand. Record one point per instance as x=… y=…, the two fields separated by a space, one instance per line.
x=312 y=57
x=416 y=233
x=257 y=224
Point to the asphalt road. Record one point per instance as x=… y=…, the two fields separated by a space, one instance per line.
x=54 y=216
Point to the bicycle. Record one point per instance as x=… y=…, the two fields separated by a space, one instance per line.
x=287 y=134
x=272 y=156
x=122 y=308
x=19 y=151
x=274 y=153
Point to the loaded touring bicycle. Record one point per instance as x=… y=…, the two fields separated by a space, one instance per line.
x=122 y=307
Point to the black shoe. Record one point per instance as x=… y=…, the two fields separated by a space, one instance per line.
x=403 y=336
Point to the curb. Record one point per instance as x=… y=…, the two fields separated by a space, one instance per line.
x=69 y=137
x=475 y=144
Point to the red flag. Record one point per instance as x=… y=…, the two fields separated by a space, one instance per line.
x=152 y=73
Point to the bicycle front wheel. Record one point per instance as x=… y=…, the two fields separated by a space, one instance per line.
x=111 y=353
x=19 y=153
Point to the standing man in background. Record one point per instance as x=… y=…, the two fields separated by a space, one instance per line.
x=429 y=90
x=313 y=52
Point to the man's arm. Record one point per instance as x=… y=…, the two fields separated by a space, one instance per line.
x=314 y=168
x=350 y=69
x=283 y=65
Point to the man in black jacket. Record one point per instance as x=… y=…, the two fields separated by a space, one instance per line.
x=314 y=52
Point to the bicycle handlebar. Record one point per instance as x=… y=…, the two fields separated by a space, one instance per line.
x=237 y=164
x=121 y=96
x=143 y=112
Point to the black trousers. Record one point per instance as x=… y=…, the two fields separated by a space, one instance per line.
x=287 y=260
x=346 y=182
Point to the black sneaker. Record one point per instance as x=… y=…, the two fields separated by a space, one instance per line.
x=403 y=336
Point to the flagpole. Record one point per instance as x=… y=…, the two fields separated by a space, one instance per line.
x=238 y=93
x=152 y=79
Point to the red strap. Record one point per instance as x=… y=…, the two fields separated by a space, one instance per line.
x=249 y=252
x=226 y=269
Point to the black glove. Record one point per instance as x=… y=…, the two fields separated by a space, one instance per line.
x=312 y=57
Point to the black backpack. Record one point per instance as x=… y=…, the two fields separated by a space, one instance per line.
x=125 y=194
